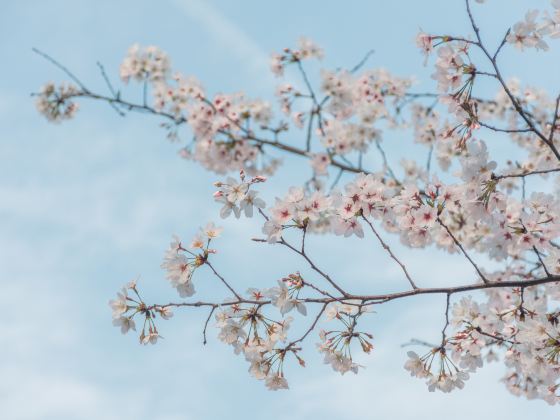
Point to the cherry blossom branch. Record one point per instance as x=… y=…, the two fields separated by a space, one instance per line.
x=505 y=130
x=301 y=152
x=495 y=337
x=225 y=140
x=374 y=298
x=525 y=174
x=386 y=297
x=508 y=92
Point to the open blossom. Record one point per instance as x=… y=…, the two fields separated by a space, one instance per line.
x=180 y=263
x=277 y=65
x=237 y=197
x=527 y=33
x=151 y=338
x=125 y=324
x=285 y=298
x=416 y=366
x=212 y=231
x=275 y=382
x=179 y=272
x=300 y=208
x=320 y=162
x=119 y=305
x=309 y=49
x=272 y=230
x=424 y=42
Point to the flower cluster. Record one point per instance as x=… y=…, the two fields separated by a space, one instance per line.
x=55 y=102
x=438 y=369
x=297 y=209
x=530 y=34
x=307 y=49
x=519 y=320
x=237 y=197
x=251 y=333
x=369 y=96
x=336 y=345
x=455 y=74
x=125 y=307
x=285 y=296
x=180 y=263
x=145 y=63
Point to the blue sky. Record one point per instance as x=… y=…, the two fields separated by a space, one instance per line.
x=89 y=204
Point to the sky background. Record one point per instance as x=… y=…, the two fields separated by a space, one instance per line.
x=90 y=204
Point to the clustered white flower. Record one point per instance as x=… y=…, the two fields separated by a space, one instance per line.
x=259 y=338
x=307 y=49
x=237 y=197
x=285 y=296
x=180 y=263
x=522 y=323
x=145 y=63
x=336 y=345
x=125 y=307
x=438 y=370
x=55 y=102
x=529 y=33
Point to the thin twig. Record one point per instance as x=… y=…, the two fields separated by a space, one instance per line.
x=107 y=81
x=314 y=267
x=443 y=337
x=206 y=324
x=525 y=174
x=311 y=328
x=415 y=341
x=223 y=280
x=393 y=256
x=506 y=130
x=362 y=62
x=484 y=279
x=538 y=254
x=61 y=67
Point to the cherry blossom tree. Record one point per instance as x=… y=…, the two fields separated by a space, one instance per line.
x=484 y=212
